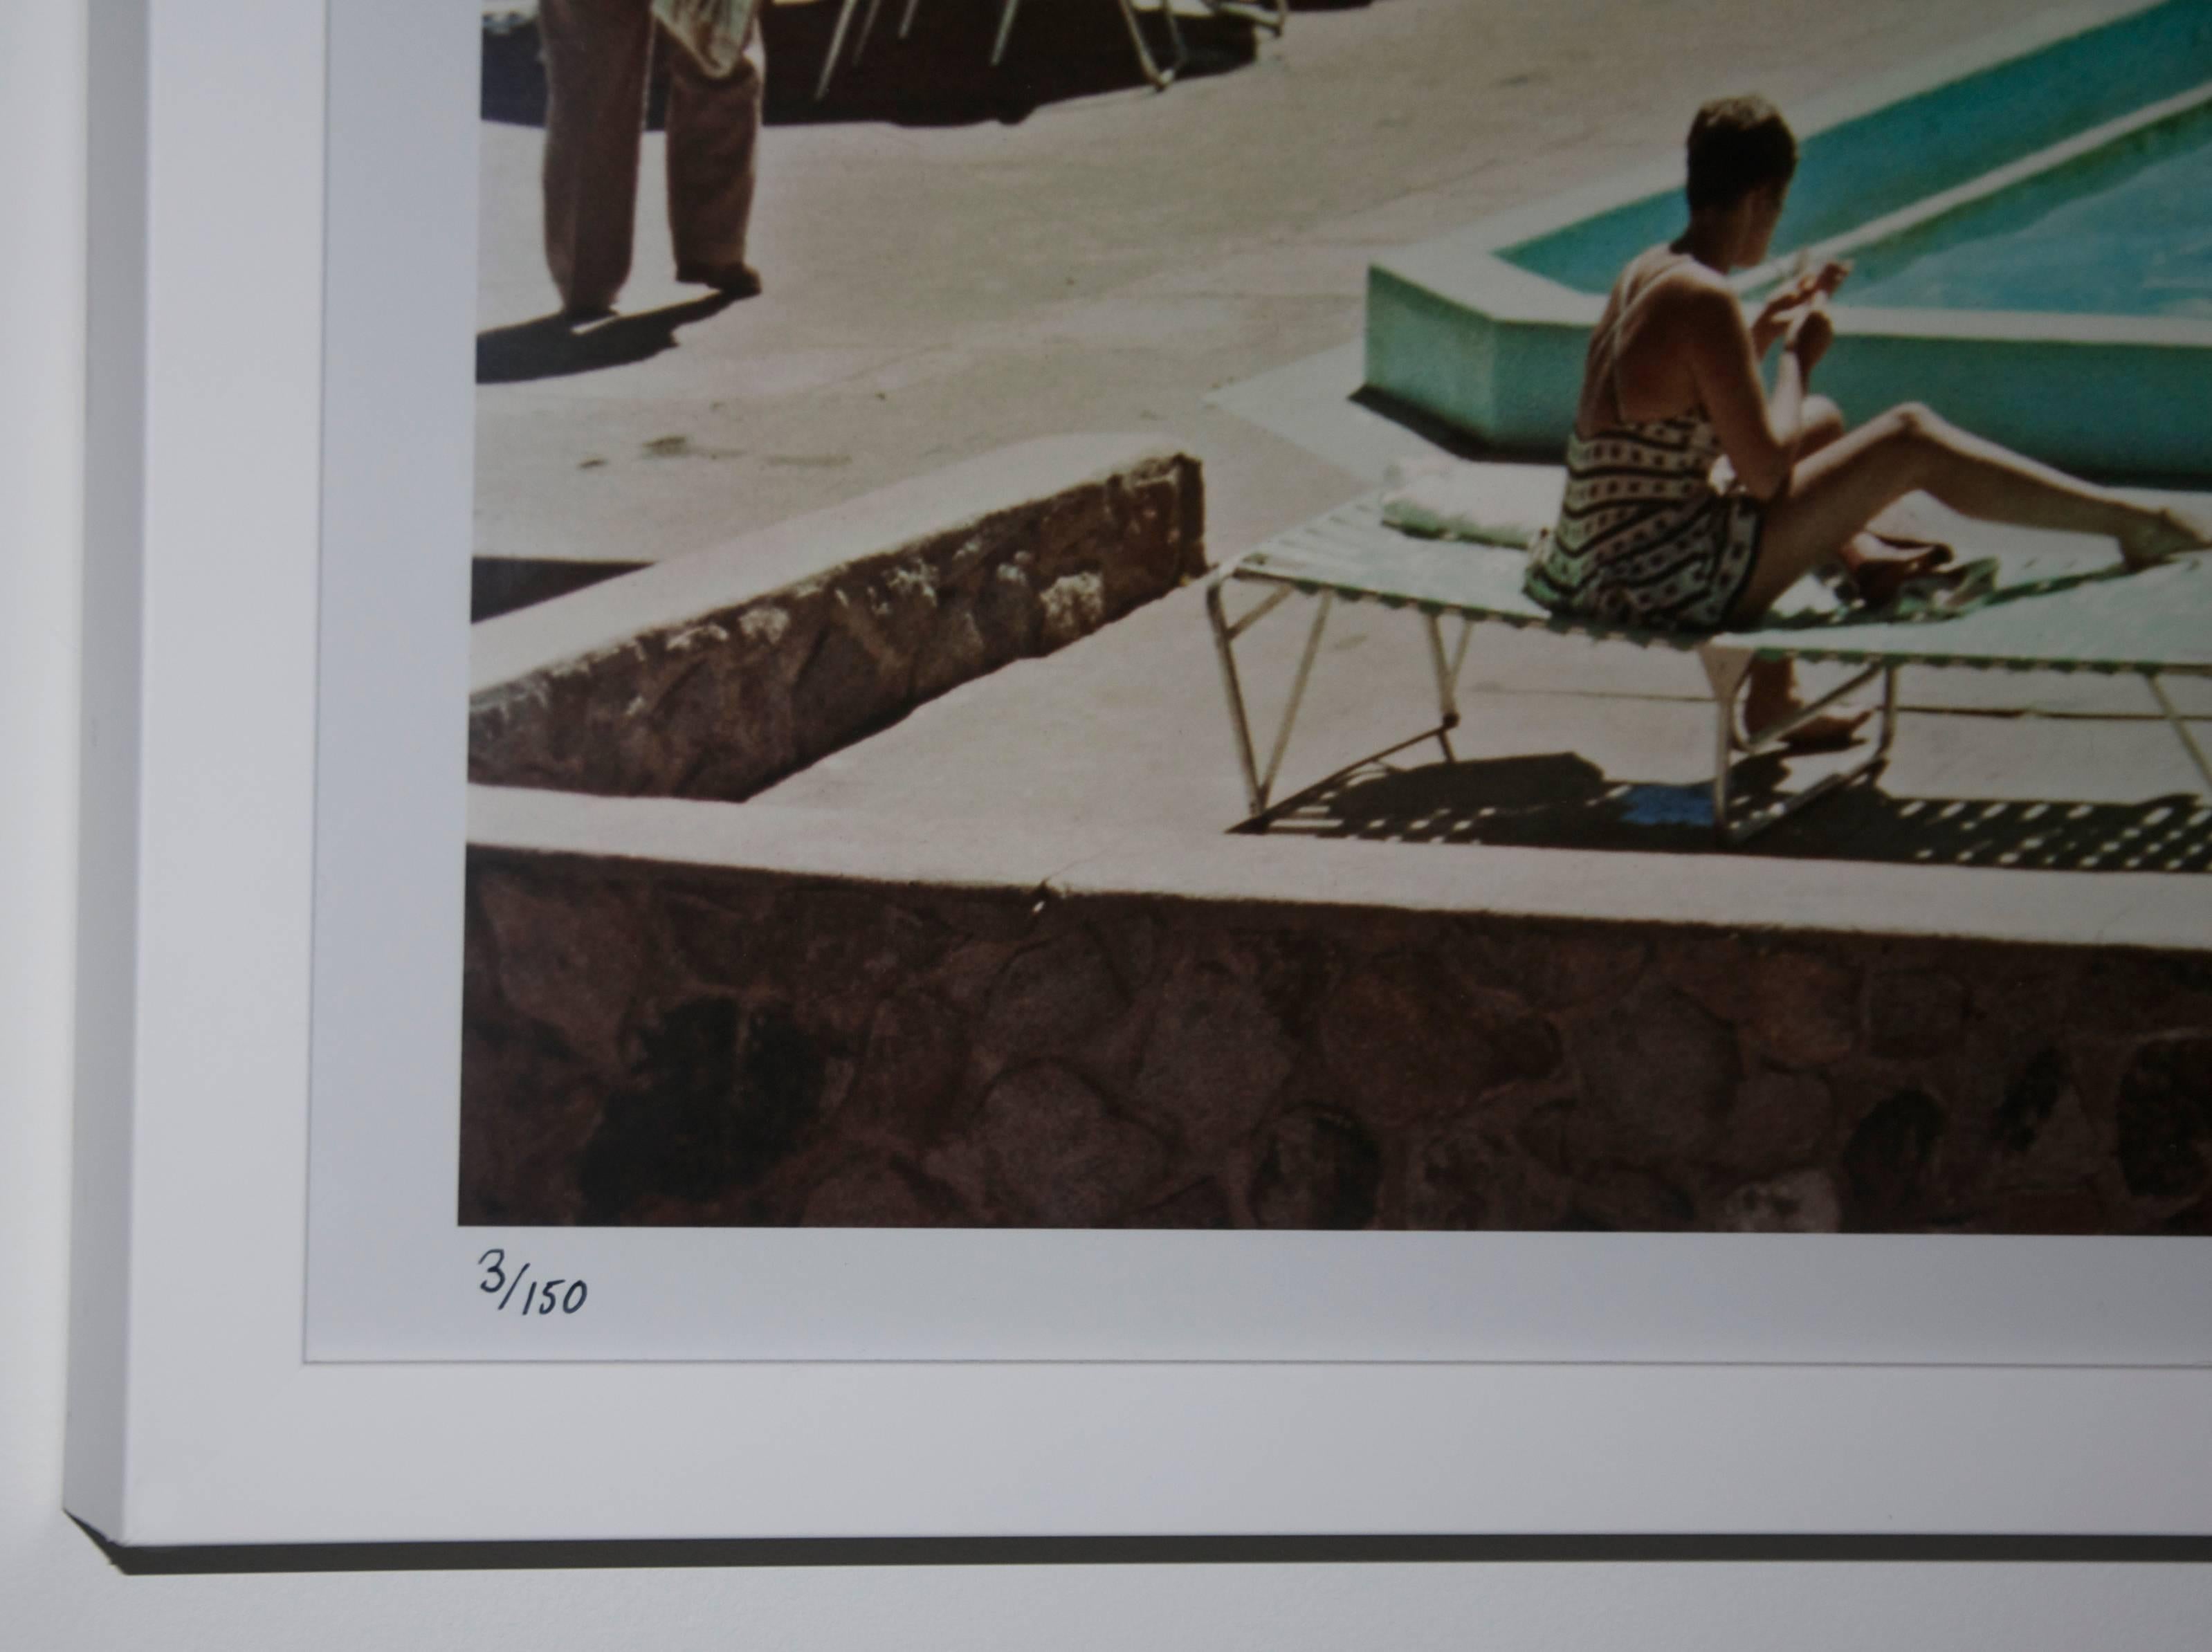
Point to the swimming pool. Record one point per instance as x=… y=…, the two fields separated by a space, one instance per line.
x=2124 y=230
x=2030 y=222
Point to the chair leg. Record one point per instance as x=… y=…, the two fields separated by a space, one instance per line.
x=836 y=44
x=1446 y=667
x=906 y=18
x=867 y=28
x=1725 y=669
x=1005 y=27
x=2180 y=727
x=1298 y=695
x=1888 y=713
x=1160 y=78
x=1239 y=724
x=1271 y=14
x=1259 y=784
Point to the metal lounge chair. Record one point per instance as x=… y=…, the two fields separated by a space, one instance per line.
x=2154 y=624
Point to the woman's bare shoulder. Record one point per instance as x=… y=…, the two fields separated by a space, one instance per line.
x=1662 y=278
x=1695 y=293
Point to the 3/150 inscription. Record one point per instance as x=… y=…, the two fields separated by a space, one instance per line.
x=545 y=1297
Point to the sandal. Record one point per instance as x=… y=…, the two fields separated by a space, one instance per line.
x=1933 y=596
x=1916 y=559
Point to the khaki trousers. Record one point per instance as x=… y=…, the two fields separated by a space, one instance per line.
x=597 y=54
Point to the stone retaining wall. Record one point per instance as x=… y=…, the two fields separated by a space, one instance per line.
x=655 y=1043
x=734 y=670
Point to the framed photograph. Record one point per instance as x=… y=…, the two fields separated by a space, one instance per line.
x=717 y=902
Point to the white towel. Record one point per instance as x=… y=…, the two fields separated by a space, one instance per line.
x=713 y=31
x=1447 y=498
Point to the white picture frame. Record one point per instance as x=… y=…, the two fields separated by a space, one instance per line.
x=279 y=490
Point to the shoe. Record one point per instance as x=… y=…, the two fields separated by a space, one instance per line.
x=1875 y=582
x=731 y=280
x=1933 y=596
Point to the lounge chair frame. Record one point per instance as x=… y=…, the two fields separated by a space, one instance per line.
x=1322 y=559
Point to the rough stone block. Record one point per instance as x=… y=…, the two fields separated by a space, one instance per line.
x=1474 y=1176
x=1317 y=1170
x=1405 y=1040
x=1778 y=1118
x=877 y=1194
x=1913 y=1013
x=2166 y=1118
x=1656 y=1074
x=910 y=1081
x=1214 y=1057
x=714 y=676
x=1047 y=998
x=1802 y=1008
x=1890 y=1162
x=1803 y=1201
x=568 y=959
x=1059 y=1155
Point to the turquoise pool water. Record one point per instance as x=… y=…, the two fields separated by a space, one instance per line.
x=2137 y=243
x=1877 y=163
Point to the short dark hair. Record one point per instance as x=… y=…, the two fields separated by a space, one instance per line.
x=1738 y=145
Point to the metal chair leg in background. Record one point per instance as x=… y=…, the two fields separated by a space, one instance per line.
x=845 y=10
x=867 y=28
x=1269 y=15
x=1160 y=78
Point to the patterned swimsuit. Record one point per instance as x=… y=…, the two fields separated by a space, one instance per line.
x=1644 y=537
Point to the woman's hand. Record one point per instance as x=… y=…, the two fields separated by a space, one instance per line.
x=1822 y=282
x=1811 y=332
x=1774 y=317
x=1783 y=305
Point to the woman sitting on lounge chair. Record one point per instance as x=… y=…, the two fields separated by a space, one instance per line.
x=1647 y=537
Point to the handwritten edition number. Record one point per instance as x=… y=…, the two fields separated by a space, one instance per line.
x=543 y=1298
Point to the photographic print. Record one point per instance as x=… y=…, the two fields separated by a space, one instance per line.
x=1421 y=616
x=847 y=970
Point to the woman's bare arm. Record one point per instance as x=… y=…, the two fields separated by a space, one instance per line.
x=1783 y=305
x=1759 y=436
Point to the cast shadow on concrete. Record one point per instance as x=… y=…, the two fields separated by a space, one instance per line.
x=940 y=75
x=1561 y=800
x=1450 y=438
x=555 y=346
x=500 y=585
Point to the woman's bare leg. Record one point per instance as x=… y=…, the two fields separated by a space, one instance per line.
x=1770 y=686
x=1834 y=493
x=1877 y=567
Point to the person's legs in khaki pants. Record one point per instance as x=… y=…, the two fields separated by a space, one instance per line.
x=713 y=128
x=596 y=53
